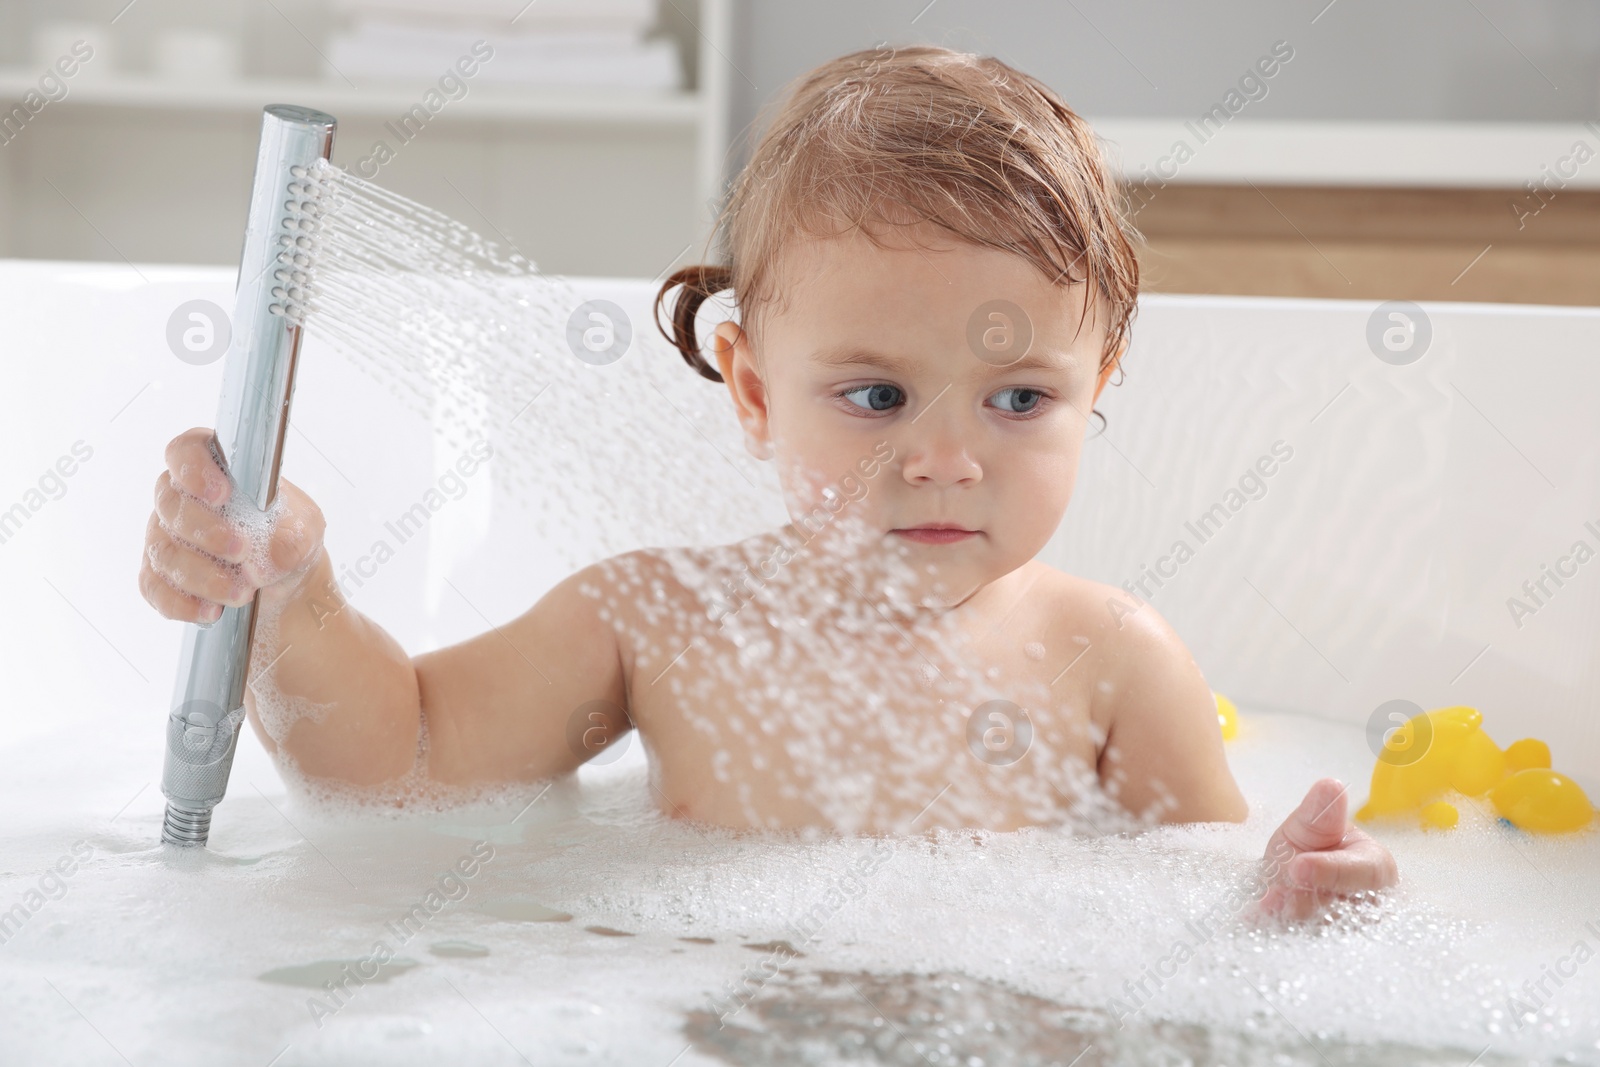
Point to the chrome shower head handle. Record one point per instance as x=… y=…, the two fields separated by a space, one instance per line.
x=252 y=419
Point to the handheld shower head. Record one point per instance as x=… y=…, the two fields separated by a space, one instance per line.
x=252 y=418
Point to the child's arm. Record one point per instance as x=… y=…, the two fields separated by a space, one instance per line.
x=1163 y=749
x=496 y=707
x=1164 y=746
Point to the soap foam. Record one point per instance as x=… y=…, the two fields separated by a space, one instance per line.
x=1039 y=928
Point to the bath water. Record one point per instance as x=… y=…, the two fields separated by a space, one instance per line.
x=592 y=929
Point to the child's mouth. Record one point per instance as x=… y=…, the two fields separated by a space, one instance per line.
x=935 y=534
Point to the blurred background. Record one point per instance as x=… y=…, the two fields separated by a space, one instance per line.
x=1437 y=149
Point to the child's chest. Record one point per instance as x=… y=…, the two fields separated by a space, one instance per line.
x=871 y=731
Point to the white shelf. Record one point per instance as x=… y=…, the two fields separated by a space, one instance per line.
x=602 y=181
x=484 y=102
x=1490 y=155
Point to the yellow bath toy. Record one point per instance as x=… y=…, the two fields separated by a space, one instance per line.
x=1418 y=761
x=1440 y=816
x=1479 y=765
x=1543 y=801
x=1521 y=755
x=1227 y=716
x=1446 y=750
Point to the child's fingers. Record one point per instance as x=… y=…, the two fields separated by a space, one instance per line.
x=194 y=466
x=1327 y=808
x=296 y=537
x=190 y=571
x=1320 y=822
x=195 y=560
x=196 y=523
x=1286 y=902
x=1310 y=880
x=171 y=603
x=1362 y=866
x=1322 y=817
x=200 y=525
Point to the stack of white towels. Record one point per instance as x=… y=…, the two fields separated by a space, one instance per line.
x=547 y=44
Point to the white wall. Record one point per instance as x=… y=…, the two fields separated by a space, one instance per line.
x=1420 y=60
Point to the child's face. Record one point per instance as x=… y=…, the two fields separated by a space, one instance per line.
x=869 y=345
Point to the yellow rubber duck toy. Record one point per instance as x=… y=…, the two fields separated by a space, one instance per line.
x=1227 y=716
x=1446 y=749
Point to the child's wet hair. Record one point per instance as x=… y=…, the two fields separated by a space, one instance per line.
x=893 y=136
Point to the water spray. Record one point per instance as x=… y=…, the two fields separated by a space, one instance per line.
x=252 y=419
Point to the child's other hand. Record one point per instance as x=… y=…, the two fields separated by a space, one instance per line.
x=195 y=560
x=1318 y=854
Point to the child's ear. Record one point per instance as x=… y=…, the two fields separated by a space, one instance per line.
x=735 y=359
x=1105 y=375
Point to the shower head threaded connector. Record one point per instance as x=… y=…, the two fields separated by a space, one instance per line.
x=186 y=826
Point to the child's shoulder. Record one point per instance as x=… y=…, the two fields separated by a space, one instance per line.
x=1160 y=740
x=1125 y=644
x=687 y=567
x=688 y=579
x=1103 y=614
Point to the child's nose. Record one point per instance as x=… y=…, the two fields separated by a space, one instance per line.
x=937 y=456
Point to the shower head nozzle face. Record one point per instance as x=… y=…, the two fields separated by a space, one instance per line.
x=297 y=243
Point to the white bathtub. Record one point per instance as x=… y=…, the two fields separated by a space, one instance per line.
x=1377 y=564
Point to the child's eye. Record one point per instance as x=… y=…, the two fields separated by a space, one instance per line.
x=1018 y=400
x=879 y=397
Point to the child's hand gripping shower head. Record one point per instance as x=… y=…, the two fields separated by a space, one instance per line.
x=252 y=418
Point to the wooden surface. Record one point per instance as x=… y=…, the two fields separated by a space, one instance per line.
x=1506 y=246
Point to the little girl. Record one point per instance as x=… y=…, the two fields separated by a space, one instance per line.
x=935 y=280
